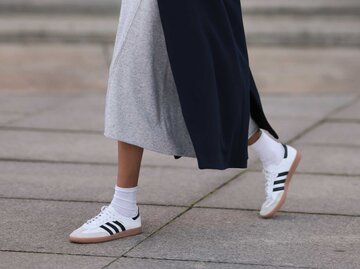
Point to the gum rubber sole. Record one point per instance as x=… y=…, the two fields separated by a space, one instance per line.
x=125 y=233
x=287 y=183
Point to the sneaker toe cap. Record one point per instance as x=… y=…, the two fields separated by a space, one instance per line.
x=267 y=207
x=265 y=210
x=87 y=233
x=78 y=232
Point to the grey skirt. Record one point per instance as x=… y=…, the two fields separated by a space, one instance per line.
x=142 y=105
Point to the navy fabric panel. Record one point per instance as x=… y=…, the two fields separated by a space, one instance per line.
x=207 y=50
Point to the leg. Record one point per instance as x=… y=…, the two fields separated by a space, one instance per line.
x=122 y=217
x=129 y=161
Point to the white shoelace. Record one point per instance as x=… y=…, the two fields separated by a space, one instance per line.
x=269 y=179
x=97 y=217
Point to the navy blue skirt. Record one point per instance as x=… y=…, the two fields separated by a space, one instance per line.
x=206 y=45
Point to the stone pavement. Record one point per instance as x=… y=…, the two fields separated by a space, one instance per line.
x=57 y=169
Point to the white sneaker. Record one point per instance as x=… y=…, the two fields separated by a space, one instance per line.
x=107 y=225
x=277 y=180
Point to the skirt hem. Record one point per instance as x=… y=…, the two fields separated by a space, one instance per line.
x=146 y=146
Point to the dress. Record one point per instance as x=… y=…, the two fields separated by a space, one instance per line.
x=142 y=105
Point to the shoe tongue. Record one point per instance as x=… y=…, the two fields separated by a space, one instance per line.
x=113 y=212
x=97 y=219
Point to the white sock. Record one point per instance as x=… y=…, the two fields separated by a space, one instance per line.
x=269 y=151
x=124 y=201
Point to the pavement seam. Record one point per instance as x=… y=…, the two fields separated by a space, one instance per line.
x=280 y=211
x=33 y=113
x=45 y=109
x=84 y=201
x=7 y=127
x=89 y=163
x=342 y=120
x=324 y=118
x=46 y=130
x=320 y=144
x=177 y=216
x=57 y=253
x=150 y=235
x=216 y=262
x=254 y=169
x=177 y=206
x=237 y=176
x=254 y=40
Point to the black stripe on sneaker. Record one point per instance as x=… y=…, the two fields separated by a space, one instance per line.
x=107 y=229
x=283 y=174
x=122 y=227
x=279 y=181
x=285 y=151
x=138 y=214
x=278 y=189
x=113 y=226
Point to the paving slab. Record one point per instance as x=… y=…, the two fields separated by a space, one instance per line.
x=289 y=30
x=334 y=133
x=153 y=158
x=349 y=113
x=300 y=24
x=180 y=186
x=305 y=69
x=6 y=118
x=308 y=193
x=57 y=146
x=28 y=102
x=57 y=27
x=82 y=113
x=328 y=160
x=46 y=261
x=74 y=147
x=135 y=263
x=295 y=106
x=58 y=6
x=296 y=5
x=288 y=129
x=52 y=67
x=242 y=237
x=157 y=185
x=44 y=226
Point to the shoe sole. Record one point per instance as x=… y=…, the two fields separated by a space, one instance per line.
x=126 y=233
x=287 y=183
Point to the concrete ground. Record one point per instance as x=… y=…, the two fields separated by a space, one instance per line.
x=57 y=169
